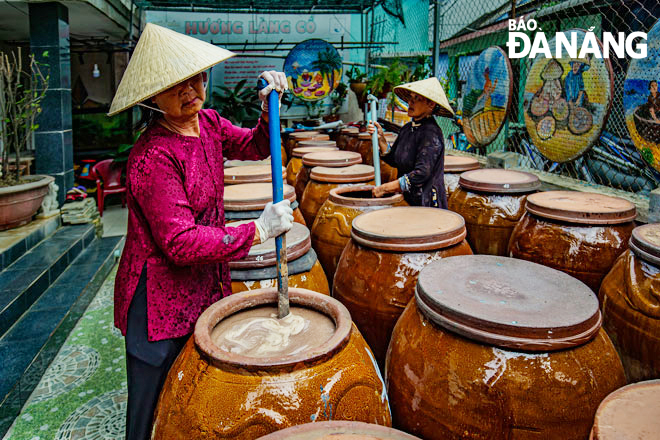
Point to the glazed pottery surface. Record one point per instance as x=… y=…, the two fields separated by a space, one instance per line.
x=295 y=164
x=364 y=146
x=247 y=201
x=377 y=271
x=497 y=348
x=295 y=137
x=332 y=227
x=630 y=301
x=211 y=393
x=631 y=412
x=250 y=174
x=492 y=201
x=454 y=166
x=339 y=431
x=343 y=137
x=324 y=179
x=333 y=159
x=581 y=234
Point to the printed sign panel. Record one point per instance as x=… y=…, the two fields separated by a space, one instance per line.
x=567 y=101
x=641 y=100
x=488 y=94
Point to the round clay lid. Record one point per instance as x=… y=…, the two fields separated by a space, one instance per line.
x=338 y=430
x=631 y=412
x=349 y=174
x=301 y=151
x=299 y=134
x=317 y=143
x=309 y=137
x=497 y=180
x=459 y=164
x=408 y=229
x=348 y=130
x=331 y=159
x=250 y=174
x=645 y=243
x=508 y=302
x=253 y=196
x=364 y=136
x=298 y=243
x=581 y=207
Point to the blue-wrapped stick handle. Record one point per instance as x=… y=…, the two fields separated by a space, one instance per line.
x=278 y=196
x=373 y=117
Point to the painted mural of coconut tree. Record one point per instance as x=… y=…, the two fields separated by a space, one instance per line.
x=329 y=62
x=313 y=69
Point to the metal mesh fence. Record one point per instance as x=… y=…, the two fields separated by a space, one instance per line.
x=597 y=145
x=410 y=35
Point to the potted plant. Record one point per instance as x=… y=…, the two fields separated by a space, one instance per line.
x=240 y=105
x=23 y=86
x=357 y=80
x=337 y=98
x=382 y=82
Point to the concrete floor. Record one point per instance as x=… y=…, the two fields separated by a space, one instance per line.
x=115 y=220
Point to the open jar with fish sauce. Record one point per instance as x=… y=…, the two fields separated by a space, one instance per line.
x=330 y=159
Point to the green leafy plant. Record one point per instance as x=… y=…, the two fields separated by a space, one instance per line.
x=327 y=63
x=385 y=78
x=355 y=75
x=422 y=68
x=239 y=105
x=22 y=89
x=337 y=97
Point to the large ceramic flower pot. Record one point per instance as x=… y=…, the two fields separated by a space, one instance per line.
x=454 y=167
x=377 y=271
x=492 y=201
x=247 y=201
x=630 y=300
x=214 y=392
x=330 y=159
x=579 y=233
x=259 y=269
x=332 y=228
x=295 y=164
x=339 y=431
x=497 y=348
x=323 y=180
x=19 y=203
x=250 y=174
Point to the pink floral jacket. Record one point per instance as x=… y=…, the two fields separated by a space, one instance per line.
x=176 y=222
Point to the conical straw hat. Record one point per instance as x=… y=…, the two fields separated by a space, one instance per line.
x=162 y=59
x=429 y=88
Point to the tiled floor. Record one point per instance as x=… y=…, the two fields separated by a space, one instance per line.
x=82 y=395
x=115 y=219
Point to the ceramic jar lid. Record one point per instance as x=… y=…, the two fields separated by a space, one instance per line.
x=360 y=195
x=507 y=302
x=302 y=134
x=645 y=243
x=408 y=228
x=631 y=412
x=317 y=143
x=252 y=196
x=459 y=164
x=309 y=137
x=581 y=207
x=349 y=174
x=338 y=430
x=298 y=243
x=348 y=130
x=497 y=180
x=364 y=136
x=301 y=151
x=250 y=174
x=331 y=159
x=388 y=135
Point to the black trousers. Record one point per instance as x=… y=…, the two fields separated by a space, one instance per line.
x=147 y=365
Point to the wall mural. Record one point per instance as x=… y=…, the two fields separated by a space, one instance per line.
x=567 y=101
x=313 y=69
x=487 y=97
x=641 y=100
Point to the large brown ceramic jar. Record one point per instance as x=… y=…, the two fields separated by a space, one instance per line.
x=497 y=348
x=295 y=164
x=323 y=179
x=377 y=271
x=352 y=140
x=343 y=137
x=248 y=200
x=259 y=269
x=250 y=174
x=295 y=137
x=630 y=300
x=365 y=148
x=332 y=227
x=339 y=431
x=330 y=159
x=631 y=412
x=492 y=201
x=454 y=167
x=579 y=233
x=211 y=393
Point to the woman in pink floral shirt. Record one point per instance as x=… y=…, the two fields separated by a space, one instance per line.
x=174 y=262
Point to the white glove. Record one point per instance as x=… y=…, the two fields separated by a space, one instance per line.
x=276 y=81
x=275 y=220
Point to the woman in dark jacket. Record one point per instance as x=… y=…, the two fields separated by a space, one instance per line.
x=418 y=152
